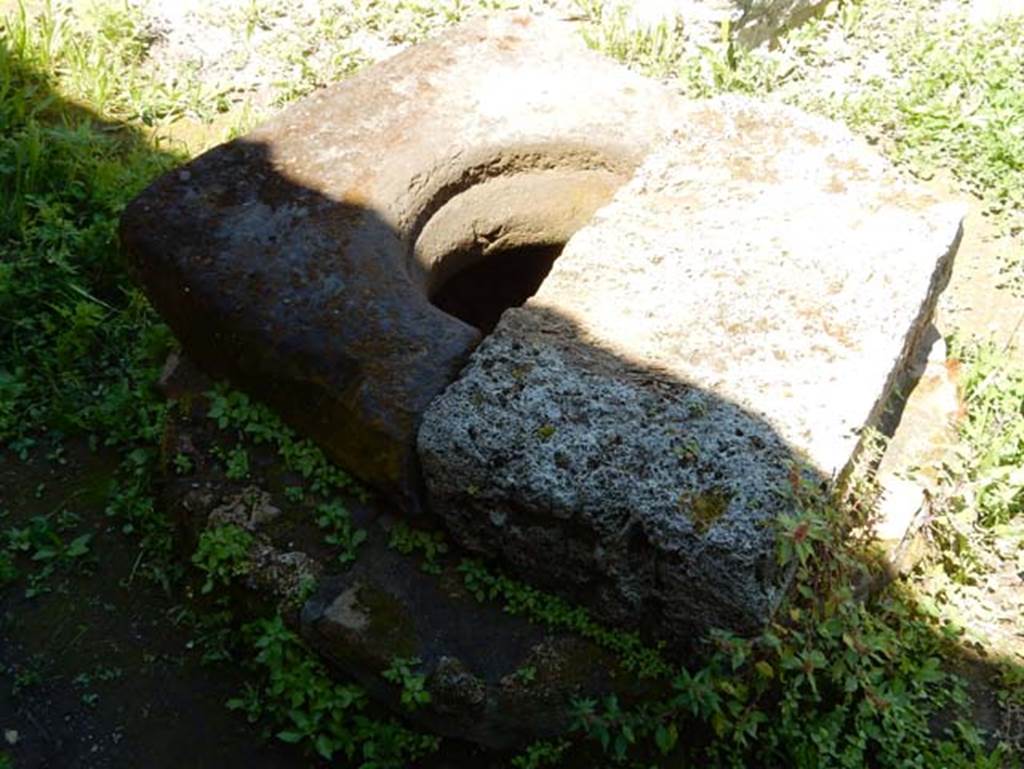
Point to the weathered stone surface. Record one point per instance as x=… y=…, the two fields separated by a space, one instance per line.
x=493 y=678
x=291 y=261
x=745 y=304
x=910 y=473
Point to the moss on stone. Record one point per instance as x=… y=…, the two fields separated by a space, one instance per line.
x=705 y=508
x=391 y=626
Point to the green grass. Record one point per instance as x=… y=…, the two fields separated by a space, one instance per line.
x=993 y=432
x=951 y=98
x=79 y=342
x=954 y=101
x=835 y=682
x=80 y=347
x=696 y=70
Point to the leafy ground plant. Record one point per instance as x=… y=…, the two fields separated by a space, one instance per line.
x=222 y=555
x=305 y=705
x=407 y=540
x=833 y=681
x=401 y=672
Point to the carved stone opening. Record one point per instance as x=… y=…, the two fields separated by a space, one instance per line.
x=480 y=293
x=490 y=246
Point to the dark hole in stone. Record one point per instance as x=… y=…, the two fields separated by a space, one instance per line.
x=480 y=293
x=636 y=542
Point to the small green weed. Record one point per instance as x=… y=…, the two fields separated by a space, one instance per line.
x=335 y=520
x=182 y=464
x=130 y=502
x=541 y=754
x=86 y=681
x=407 y=540
x=237 y=464
x=223 y=554
x=303 y=705
x=43 y=542
x=401 y=672
x=614 y=729
x=544 y=608
x=527 y=674
x=255 y=422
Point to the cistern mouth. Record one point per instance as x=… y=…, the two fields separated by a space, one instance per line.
x=493 y=239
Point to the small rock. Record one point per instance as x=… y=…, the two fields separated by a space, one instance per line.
x=901 y=501
x=250 y=509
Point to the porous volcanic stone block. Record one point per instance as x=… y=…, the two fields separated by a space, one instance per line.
x=743 y=306
x=300 y=260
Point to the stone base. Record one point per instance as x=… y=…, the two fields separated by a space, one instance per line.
x=494 y=679
x=736 y=317
x=741 y=290
x=303 y=261
x=909 y=475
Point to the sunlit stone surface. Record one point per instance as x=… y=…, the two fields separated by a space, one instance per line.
x=745 y=305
